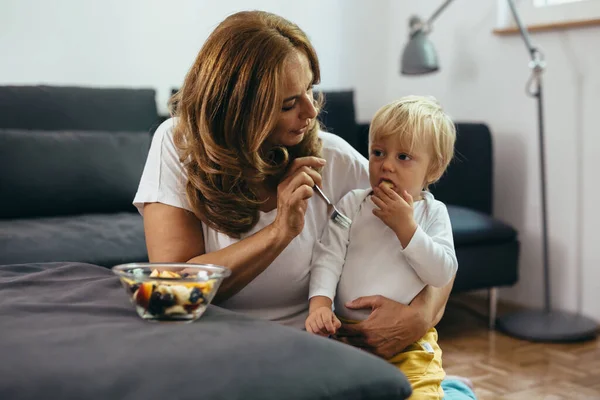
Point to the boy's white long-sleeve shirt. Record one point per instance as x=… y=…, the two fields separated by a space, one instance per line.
x=368 y=259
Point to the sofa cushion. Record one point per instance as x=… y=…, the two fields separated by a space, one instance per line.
x=47 y=173
x=469 y=179
x=77 y=108
x=487 y=265
x=338 y=115
x=105 y=240
x=473 y=227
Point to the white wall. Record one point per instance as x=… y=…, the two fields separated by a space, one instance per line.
x=139 y=43
x=142 y=43
x=483 y=78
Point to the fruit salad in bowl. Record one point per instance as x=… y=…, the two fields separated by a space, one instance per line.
x=170 y=292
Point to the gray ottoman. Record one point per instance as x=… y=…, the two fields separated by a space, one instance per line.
x=69 y=332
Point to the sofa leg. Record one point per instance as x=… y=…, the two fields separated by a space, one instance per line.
x=493 y=298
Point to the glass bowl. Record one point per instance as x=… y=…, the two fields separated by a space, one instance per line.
x=170 y=291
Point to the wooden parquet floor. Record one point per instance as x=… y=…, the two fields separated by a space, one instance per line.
x=505 y=368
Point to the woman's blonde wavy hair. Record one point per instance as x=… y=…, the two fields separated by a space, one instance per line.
x=228 y=105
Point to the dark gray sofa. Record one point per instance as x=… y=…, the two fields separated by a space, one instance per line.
x=71 y=159
x=70 y=162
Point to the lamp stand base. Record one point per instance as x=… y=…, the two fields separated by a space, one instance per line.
x=542 y=326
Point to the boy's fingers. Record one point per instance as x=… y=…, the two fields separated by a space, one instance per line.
x=388 y=192
x=407 y=197
x=377 y=201
x=336 y=322
x=378 y=213
x=380 y=194
x=308 y=327
x=328 y=324
x=320 y=324
x=313 y=326
x=317 y=329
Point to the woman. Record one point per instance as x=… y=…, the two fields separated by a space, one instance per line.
x=230 y=179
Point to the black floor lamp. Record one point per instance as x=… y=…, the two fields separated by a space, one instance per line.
x=419 y=57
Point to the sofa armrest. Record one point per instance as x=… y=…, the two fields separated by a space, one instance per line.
x=362 y=141
x=338 y=115
x=468 y=181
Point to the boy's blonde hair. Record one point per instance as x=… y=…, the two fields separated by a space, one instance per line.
x=416 y=120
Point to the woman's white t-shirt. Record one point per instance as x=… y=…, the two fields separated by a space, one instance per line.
x=279 y=293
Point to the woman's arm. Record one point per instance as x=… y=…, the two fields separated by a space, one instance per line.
x=175 y=235
x=431 y=302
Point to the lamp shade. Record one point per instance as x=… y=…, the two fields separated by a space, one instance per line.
x=419 y=56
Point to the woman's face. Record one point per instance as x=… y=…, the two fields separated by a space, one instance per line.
x=297 y=109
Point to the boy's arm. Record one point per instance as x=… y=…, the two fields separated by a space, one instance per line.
x=329 y=253
x=318 y=302
x=431 y=253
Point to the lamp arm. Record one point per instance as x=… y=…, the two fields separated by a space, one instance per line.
x=513 y=9
x=524 y=33
x=537 y=63
x=437 y=12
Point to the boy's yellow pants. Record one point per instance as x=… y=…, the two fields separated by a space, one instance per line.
x=421 y=362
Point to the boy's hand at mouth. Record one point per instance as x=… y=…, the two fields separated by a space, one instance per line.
x=396 y=211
